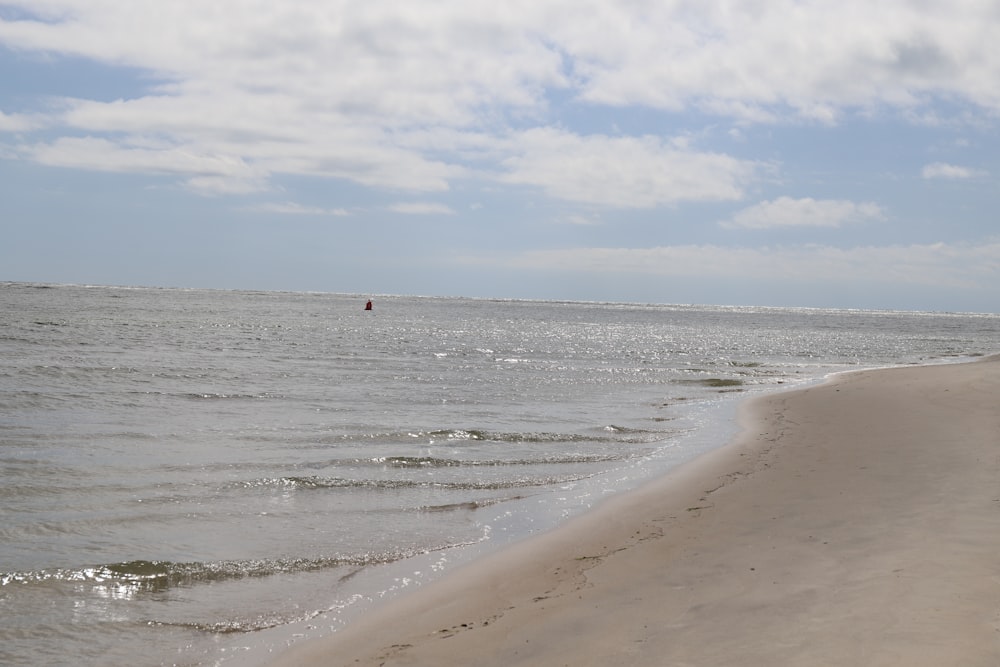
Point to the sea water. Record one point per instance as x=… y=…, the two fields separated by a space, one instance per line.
x=183 y=472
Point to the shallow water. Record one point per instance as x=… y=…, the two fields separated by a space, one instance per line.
x=180 y=467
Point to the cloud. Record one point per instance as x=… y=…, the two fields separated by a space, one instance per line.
x=624 y=172
x=352 y=89
x=580 y=219
x=18 y=122
x=210 y=173
x=403 y=64
x=949 y=171
x=291 y=208
x=807 y=212
x=762 y=60
x=960 y=265
x=269 y=132
x=422 y=208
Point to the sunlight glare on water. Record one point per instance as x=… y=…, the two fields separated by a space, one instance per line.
x=180 y=467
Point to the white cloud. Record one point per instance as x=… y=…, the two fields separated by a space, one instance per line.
x=18 y=122
x=811 y=59
x=405 y=64
x=580 y=219
x=351 y=89
x=807 y=212
x=422 y=208
x=267 y=132
x=218 y=173
x=292 y=208
x=949 y=171
x=960 y=265
x=625 y=172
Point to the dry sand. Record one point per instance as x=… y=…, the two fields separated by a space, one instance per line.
x=852 y=523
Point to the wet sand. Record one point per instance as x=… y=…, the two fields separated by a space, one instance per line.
x=855 y=522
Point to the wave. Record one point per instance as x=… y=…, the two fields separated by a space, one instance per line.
x=214 y=396
x=611 y=435
x=713 y=382
x=436 y=462
x=317 y=482
x=156 y=575
x=240 y=625
x=458 y=434
x=468 y=505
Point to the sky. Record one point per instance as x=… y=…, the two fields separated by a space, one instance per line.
x=815 y=153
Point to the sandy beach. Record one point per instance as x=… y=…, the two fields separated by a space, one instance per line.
x=855 y=522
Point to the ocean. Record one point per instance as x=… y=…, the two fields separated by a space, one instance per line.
x=198 y=477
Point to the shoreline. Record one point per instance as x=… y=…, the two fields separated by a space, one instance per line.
x=849 y=523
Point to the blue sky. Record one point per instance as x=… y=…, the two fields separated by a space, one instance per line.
x=781 y=152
